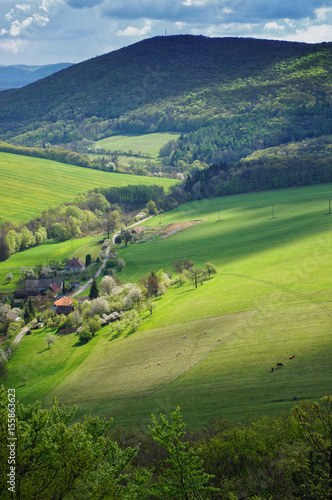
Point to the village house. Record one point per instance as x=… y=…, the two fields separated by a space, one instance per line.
x=138 y=230
x=75 y=265
x=64 y=305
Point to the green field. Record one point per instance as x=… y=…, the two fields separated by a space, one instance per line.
x=148 y=143
x=271 y=299
x=42 y=254
x=30 y=185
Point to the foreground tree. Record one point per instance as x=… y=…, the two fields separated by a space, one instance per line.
x=183 y=476
x=315 y=472
x=58 y=460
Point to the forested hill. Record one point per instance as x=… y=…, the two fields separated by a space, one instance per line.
x=180 y=83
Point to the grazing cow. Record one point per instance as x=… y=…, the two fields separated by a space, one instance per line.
x=292 y=357
x=272 y=369
x=279 y=365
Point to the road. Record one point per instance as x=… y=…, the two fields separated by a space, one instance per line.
x=107 y=253
x=24 y=330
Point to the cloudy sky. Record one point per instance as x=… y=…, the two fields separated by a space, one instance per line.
x=51 y=31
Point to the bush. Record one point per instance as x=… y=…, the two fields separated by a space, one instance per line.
x=85 y=335
x=110 y=263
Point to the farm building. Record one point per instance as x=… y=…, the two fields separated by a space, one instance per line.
x=34 y=288
x=63 y=305
x=75 y=265
x=138 y=230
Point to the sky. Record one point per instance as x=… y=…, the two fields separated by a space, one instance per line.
x=37 y=32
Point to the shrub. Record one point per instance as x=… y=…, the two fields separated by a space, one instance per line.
x=85 y=335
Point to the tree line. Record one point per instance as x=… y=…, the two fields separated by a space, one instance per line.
x=284 y=458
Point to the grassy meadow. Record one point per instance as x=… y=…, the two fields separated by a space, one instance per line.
x=42 y=254
x=147 y=143
x=30 y=185
x=146 y=146
x=211 y=349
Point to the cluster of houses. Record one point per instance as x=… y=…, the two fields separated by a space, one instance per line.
x=35 y=289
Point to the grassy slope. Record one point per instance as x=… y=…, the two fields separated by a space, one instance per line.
x=43 y=254
x=270 y=299
x=51 y=183
x=148 y=143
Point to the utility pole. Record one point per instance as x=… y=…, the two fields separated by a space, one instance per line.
x=273 y=216
x=329 y=206
x=219 y=215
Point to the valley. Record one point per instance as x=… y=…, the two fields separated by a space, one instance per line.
x=270 y=299
x=165 y=261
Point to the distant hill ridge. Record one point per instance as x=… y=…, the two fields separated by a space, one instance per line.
x=237 y=86
x=19 y=75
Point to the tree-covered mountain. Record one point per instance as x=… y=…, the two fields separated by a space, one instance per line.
x=19 y=75
x=229 y=96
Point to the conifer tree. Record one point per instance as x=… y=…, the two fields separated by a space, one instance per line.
x=94 y=292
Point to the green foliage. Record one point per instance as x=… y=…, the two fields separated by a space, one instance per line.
x=29 y=312
x=84 y=334
x=151 y=208
x=58 y=459
x=314 y=473
x=210 y=268
x=62 y=156
x=294 y=164
x=94 y=292
x=49 y=339
x=183 y=476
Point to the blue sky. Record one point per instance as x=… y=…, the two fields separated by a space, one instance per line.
x=51 y=31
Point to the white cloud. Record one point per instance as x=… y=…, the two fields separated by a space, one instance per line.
x=195 y=3
x=10 y=14
x=227 y=10
x=132 y=31
x=180 y=25
x=13 y=45
x=50 y=6
x=273 y=26
x=24 y=7
x=290 y=23
x=312 y=34
x=323 y=14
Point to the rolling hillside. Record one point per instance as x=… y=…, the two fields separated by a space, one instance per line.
x=229 y=96
x=270 y=299
x=30 y=185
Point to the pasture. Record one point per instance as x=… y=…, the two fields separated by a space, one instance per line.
x=30 y=185
x=148 y=143
x=271 y=299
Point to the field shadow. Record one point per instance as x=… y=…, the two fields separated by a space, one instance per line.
x=41 y=352
x=115 y=336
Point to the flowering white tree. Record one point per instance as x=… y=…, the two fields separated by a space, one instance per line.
x=107 y=284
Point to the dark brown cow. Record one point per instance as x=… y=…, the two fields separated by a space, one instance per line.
x=279 y=365
x=272 y=368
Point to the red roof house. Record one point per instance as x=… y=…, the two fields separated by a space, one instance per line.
x=64 y=305
x=75 y=265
